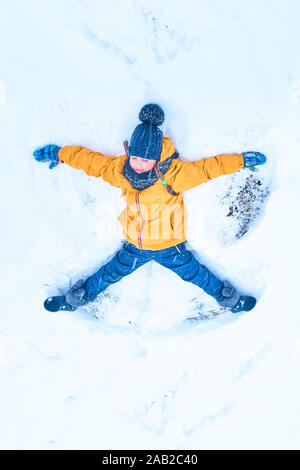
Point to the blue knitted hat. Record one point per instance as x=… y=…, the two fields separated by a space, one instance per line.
x=146 y=139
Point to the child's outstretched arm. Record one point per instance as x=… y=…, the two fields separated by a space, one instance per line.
x=187 y=175
x=93 y=163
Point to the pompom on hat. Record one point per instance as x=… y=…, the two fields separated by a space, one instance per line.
x=146 y=139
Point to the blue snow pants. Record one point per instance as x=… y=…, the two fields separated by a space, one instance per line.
x=177 y=258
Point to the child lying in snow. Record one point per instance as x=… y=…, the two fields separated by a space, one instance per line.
x=152 y=179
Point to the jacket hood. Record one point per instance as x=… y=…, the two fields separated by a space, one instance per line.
x=167 y=149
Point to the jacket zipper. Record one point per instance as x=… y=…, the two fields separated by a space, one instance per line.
x=137 y=201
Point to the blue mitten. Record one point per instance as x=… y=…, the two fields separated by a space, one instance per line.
x=49 y=153
x=253 y=158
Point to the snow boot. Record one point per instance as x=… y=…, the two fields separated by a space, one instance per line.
x=57 y=303
x=75 y=297
x=244 y=304
x=230 y=298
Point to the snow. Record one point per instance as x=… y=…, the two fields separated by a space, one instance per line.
x=227 y=74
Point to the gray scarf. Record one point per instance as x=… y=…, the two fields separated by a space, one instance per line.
x=144 y=180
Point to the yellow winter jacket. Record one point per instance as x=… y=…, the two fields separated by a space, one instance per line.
x=153 y=218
